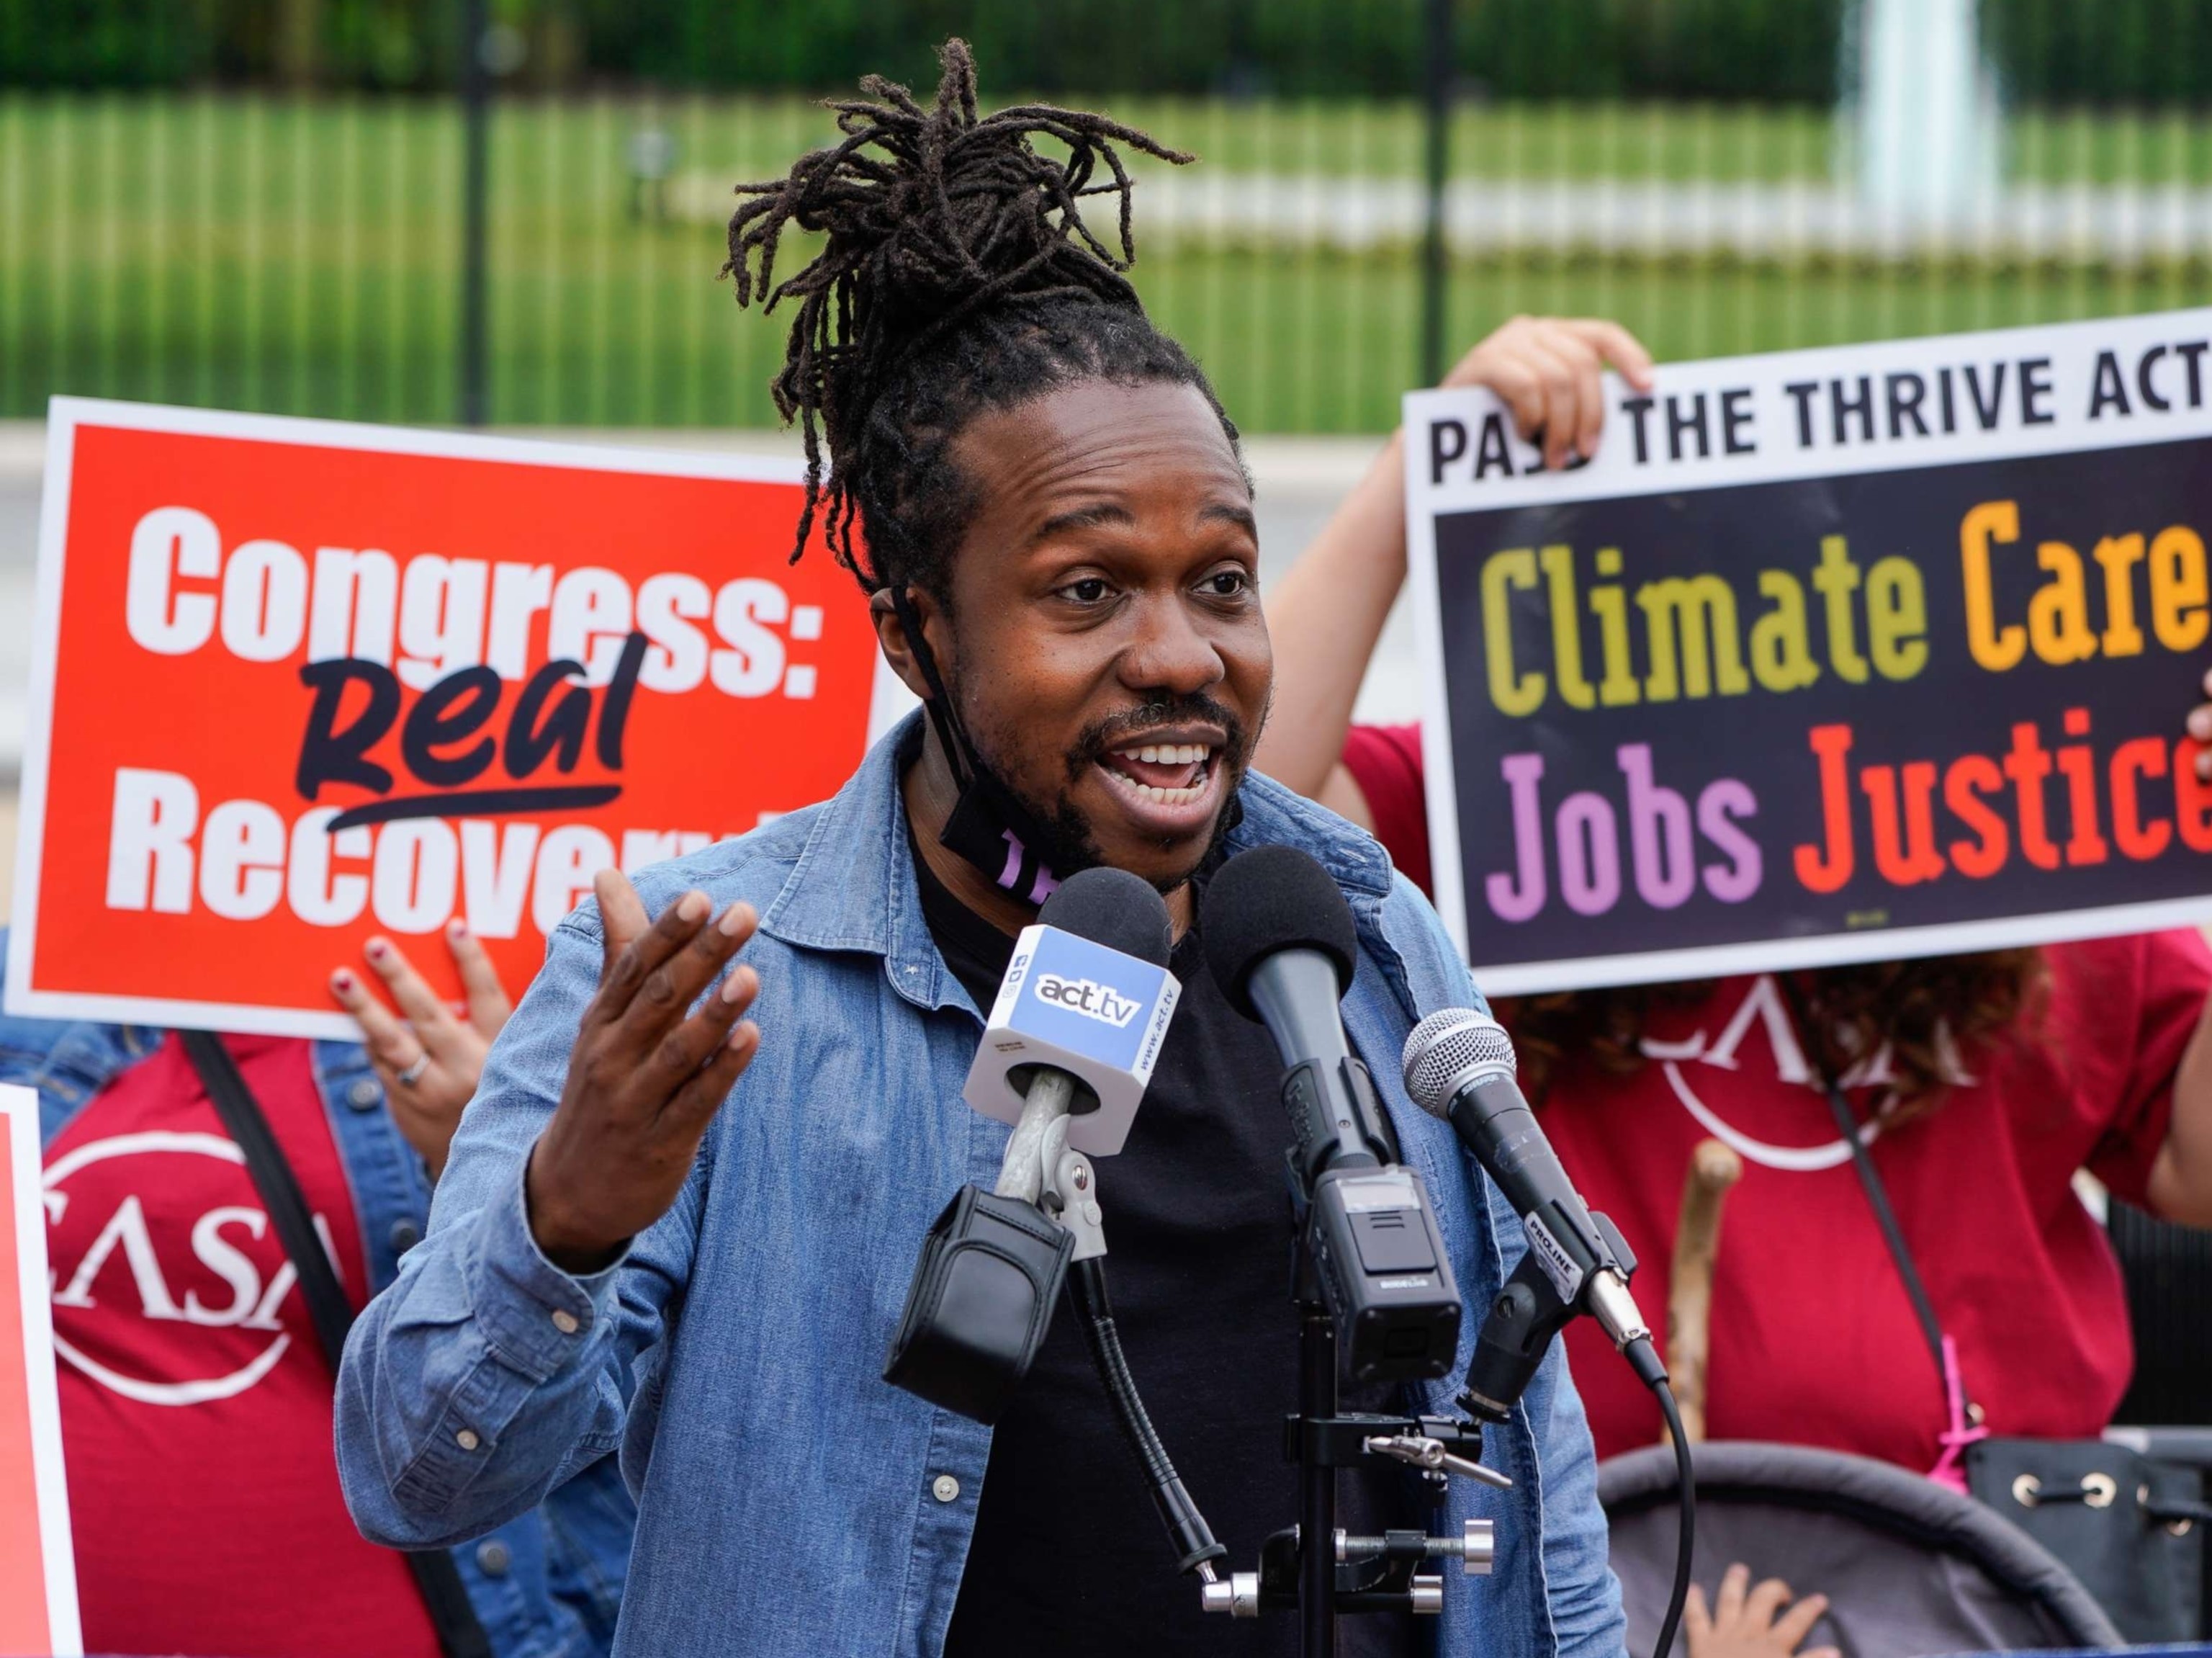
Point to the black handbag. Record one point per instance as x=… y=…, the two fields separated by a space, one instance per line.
x=2130 y=1527
x=439 y=1580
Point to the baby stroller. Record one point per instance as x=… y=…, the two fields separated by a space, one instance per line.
x=1910 y=1567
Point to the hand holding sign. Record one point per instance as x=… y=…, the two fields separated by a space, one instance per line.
x=644 y=1079
x=1550 y=371
x=430 y=1061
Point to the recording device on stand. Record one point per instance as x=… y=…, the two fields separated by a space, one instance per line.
x=1069 y=1046
x=1372 y=1277
x=1460 y=1067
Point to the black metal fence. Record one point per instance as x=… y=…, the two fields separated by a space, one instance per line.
x=266 y=205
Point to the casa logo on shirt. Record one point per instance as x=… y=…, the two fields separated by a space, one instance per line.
x=1763 y=1012
x=152 y=1308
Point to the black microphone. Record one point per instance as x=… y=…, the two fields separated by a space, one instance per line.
x=1460 y=1066
x=1280 y=939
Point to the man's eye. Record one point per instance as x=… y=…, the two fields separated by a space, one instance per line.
x=1227 y=583
x=1088 y=591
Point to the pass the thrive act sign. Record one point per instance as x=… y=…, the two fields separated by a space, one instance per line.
x=1826 y=656
x=299 y=682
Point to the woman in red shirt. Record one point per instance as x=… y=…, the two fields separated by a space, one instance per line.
x=1984 y=1081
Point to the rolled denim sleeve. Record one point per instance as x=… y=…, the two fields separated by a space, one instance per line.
x=484 y=1376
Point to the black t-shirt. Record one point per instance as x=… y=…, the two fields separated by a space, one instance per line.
x=1069 y=1556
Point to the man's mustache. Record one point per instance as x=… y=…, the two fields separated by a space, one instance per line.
x=1101 y=735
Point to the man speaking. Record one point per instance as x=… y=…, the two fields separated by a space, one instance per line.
x=672 y=1229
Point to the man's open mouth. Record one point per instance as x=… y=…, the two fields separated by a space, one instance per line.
x=1164 y=773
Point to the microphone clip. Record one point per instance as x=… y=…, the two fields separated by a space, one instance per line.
x=1069 y=1193
x=1565 y=1271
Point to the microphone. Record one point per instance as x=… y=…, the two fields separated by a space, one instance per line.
x=1279 y=940
x=1078 y=1023
x=1069 y=1044
x=1460 y=1066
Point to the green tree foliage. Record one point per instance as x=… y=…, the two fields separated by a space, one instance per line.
x=1771 y=51
x=1768 y=51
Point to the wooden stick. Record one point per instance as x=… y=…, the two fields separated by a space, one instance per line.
x=1714 y=1167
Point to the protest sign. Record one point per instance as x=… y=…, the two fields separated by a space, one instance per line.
x=1826 y=656
x=296 y=683
x=38 y=1576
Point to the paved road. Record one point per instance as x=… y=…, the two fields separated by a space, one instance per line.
x=1300 y=480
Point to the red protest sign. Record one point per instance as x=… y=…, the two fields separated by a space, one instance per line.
x=37 y=1577
x=297 y=683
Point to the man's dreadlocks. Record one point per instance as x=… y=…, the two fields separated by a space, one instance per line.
x=958 y=276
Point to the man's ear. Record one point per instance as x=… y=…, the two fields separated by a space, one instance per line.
x=890 y=634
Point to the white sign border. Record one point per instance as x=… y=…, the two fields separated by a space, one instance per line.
x=1529 y=487
x=64 y=415
x=19 y=1120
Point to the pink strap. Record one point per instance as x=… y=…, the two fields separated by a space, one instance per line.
x=1948 y=1469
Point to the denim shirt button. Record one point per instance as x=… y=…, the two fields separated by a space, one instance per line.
x=493 y=1557
x=365 y=1094
x=404 y=1236
x=944 y=1488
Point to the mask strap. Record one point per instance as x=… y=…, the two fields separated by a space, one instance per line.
x=939 y=703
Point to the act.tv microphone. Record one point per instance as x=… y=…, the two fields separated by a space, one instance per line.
x=1280 y=939
x=1079 y=1022
x=1460 y=1066
x=1069 y=1044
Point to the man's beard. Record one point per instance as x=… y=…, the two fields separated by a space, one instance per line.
x=1069 y=843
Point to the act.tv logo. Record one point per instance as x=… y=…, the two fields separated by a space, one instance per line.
x=1088 y=997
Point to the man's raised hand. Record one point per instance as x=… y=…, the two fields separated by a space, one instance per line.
x=646 y=1076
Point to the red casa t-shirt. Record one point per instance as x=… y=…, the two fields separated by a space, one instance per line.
x=194 y=1398
x=1813 y=1339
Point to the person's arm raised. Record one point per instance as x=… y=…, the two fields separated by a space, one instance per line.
x=1327 y=612
x=562 y=1231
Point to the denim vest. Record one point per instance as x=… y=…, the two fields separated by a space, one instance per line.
x=788 y=1500
x=546 y=1584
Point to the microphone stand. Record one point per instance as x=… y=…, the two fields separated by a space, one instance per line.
x=1316 y=1568
x=1317 y=1403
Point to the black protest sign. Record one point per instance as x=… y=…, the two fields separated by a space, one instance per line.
x=1826 y=656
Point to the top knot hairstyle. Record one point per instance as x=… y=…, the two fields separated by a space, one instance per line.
x=958 y=276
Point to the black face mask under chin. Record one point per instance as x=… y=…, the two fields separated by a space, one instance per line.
x=989 y=826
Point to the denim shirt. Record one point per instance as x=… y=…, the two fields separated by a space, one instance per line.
x=545 y=1584
x=788 y=1499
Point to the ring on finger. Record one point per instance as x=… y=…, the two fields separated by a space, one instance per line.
x=409 y=1077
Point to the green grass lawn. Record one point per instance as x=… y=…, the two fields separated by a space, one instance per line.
x=262 y=254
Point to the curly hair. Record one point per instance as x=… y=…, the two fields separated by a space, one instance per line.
x=958 y=276
x=1928 y=1011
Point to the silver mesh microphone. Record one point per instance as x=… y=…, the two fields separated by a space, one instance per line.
x=1450 y=1048
x=1459 y=1068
